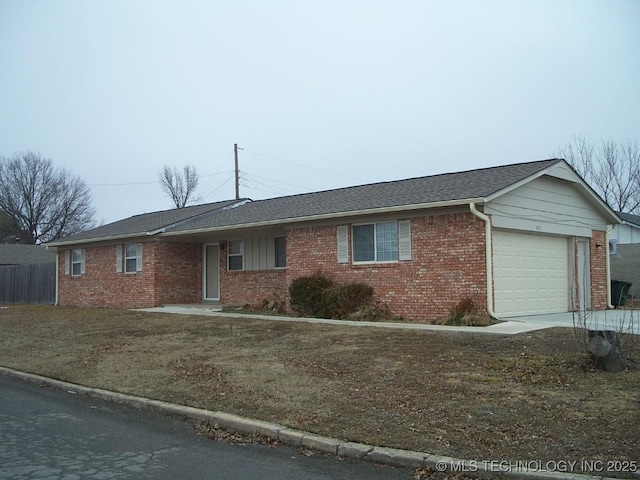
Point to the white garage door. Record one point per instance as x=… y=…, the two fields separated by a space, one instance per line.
x=531 y=274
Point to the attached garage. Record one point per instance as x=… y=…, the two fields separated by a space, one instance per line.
x=531 y=273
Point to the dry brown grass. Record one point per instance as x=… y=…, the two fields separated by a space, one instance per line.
x=475 y=396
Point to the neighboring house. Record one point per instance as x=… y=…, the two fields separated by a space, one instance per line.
x=20 y=254
x=624 y=247
x=518 y=239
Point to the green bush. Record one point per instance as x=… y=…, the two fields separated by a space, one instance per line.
x=306 y=294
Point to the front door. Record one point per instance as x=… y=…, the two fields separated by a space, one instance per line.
x=212 y=272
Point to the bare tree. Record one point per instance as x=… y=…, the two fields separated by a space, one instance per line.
x=7 y=232
x=612 y=170
x=42 y=202
x=180 y=186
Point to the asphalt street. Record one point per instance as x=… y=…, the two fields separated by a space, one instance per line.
x=52 y=434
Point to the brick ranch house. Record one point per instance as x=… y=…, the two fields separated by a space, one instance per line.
x=519 y=239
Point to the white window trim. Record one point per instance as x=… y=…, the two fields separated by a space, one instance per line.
x=404 y=242
x=122 y=262
x=81 y=262
x=241 y=254
x=375 y=244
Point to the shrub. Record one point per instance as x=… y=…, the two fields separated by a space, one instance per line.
x=342 y=300
x=465 y=314
x=306 y=294
x=317 y=296
x=372 y=312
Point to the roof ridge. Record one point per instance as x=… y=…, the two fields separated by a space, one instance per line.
x=387 y=182
x=178 y=208
x=228 y=204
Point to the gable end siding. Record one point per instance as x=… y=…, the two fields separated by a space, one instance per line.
x=546 y=205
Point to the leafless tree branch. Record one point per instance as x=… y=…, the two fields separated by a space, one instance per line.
x=179 y=185
x=43 y=203
x=612 y=170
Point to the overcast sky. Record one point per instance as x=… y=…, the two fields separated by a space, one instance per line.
x=319 y=94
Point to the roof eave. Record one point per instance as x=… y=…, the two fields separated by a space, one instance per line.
x=100 y=239
x=631 y=224
x=326 y=216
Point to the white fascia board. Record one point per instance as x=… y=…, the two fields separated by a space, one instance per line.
x=326 y=216
x=97 y=240
x=631 y=224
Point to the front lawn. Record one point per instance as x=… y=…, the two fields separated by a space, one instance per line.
x=475 y=396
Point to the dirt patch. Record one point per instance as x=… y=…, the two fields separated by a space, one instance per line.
x=476 y=396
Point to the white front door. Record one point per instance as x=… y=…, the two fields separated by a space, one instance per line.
x=211 y=276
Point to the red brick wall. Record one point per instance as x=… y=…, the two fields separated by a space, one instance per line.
x=448 y=265
x=598 y=270
x=171 y=273
x=178 y=273
x=252 y=287
x=102 y=286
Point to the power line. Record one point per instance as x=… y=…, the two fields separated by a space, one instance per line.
x=274 y=189
x=303 y=166
x=119 y=184
x=219 y=186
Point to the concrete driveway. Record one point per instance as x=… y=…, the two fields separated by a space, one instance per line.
x=620 y=320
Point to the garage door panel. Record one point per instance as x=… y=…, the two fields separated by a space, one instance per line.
x=530 y=273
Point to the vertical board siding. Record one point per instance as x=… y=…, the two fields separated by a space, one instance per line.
x=34 y=283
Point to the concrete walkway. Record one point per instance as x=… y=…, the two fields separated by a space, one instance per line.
x=511 y=327
x=621 y=320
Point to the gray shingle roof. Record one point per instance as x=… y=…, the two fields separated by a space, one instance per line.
x=629 y=218
x=472 y=184
x=414 y=191
x=19 y=254
x=146 y=222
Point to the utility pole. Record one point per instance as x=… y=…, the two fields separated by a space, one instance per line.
x=235 y=152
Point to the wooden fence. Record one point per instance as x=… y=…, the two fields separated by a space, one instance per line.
x=34 y=283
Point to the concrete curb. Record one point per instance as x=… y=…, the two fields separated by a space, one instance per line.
x=298 y=438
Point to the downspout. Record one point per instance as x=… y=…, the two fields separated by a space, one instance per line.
x=57 y=273
x=489 y=263
x=608 y=266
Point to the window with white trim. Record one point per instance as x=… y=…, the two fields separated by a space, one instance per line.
x=375 y=242
x=235 y=255
x=379 y=242
x=77 y=262
x=130 y=256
